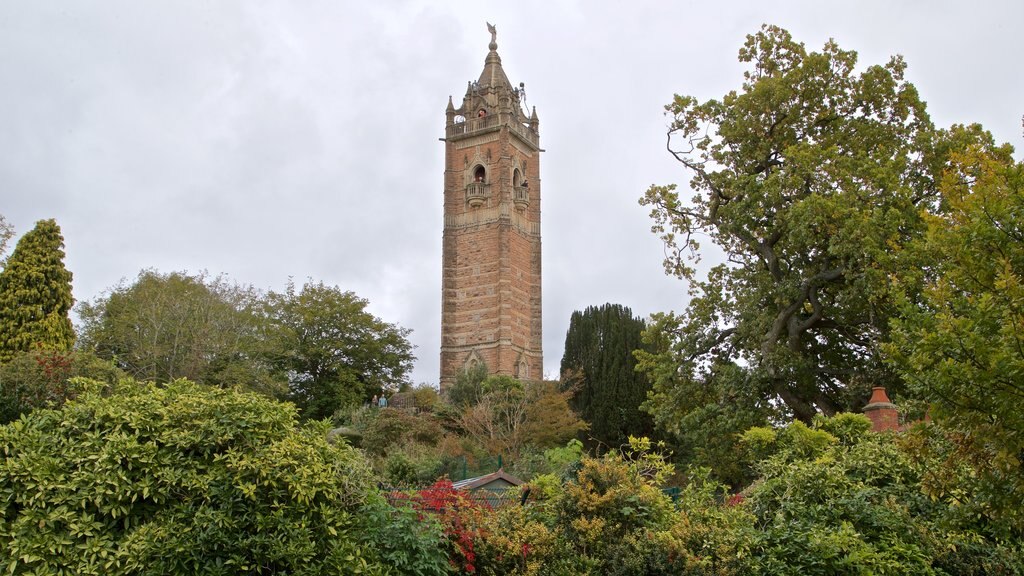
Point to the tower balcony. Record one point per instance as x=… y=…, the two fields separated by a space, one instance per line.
x=492 y=122
x=477 y=193
x=521 y=196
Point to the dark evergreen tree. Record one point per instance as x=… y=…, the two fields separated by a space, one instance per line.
x=35 y=295
x=599 y=363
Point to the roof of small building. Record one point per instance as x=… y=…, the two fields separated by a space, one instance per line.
x=482 y=481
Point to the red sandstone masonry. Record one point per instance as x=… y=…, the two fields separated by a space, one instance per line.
x=491 y=272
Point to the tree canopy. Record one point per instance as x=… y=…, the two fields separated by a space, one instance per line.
x=167 y=326
x=810 y=178
x=332 y=350
x=35 y=294
x=598 y=365
x=318 y=346
x=6 y=233
x=958 y=342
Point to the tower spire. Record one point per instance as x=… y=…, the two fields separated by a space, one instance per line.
x=493 y=75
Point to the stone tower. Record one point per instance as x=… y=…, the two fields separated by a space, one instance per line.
x=490 y=279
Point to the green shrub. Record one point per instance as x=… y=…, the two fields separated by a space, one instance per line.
x=855 y=505
x=185 y=479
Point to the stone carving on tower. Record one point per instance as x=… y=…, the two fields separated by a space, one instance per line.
x=491 y=270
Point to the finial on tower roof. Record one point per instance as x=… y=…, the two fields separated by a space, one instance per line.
x=494 y=36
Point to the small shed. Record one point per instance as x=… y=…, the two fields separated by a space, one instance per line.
x=492 y=488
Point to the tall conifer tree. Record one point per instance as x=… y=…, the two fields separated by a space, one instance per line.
x=35 y=294
x=599 y=362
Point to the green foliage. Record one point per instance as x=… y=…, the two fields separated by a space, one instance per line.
x=409 y=543
x=466 y=390
x=612 y=517
x=557 y=461
x=705 y=416
x=599 y=366
x=831 y=498
x=333 y=351
x=822 y=506
x=810 y=177
x=35 y=293
x=958 y=342
x=6 y=233
x=420 y=397
x=188 y=479
x=319 y=345
x=167 y=326
x=611 y=500
x=847 y=428
x=406 y=447
x=45 y=379
x=511 y=415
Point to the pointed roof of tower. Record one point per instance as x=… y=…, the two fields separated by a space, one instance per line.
x=493 y=74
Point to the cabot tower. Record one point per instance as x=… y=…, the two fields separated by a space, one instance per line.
x=490 y=279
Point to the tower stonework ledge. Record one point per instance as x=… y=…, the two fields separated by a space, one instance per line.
x=491 y=270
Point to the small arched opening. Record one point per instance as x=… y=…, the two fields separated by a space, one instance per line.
x=522 y=370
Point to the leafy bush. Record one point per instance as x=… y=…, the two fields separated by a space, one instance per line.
x=557 y=461
x=855 y=505
x=41 y=378
x=185 y=479
x=459 y=516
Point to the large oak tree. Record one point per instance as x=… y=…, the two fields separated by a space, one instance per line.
x=810 y=179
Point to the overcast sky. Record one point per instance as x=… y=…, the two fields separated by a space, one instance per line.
x=268 y=140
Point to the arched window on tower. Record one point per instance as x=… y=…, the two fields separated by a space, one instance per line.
x=520 y=192
x=476 y=191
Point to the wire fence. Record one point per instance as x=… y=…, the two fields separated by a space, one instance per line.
x=488 y=498
x=461 y=468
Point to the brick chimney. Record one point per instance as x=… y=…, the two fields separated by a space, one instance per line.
x=881 y=411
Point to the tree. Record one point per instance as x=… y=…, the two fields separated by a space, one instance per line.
x=6 y=233
x=599 y=366
x=958 y=343
x=332 y=350
x=190 y=479
x=168 y=326
x=35 y=294
x=810 y=179
x=466 y=390
x=511 y=415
